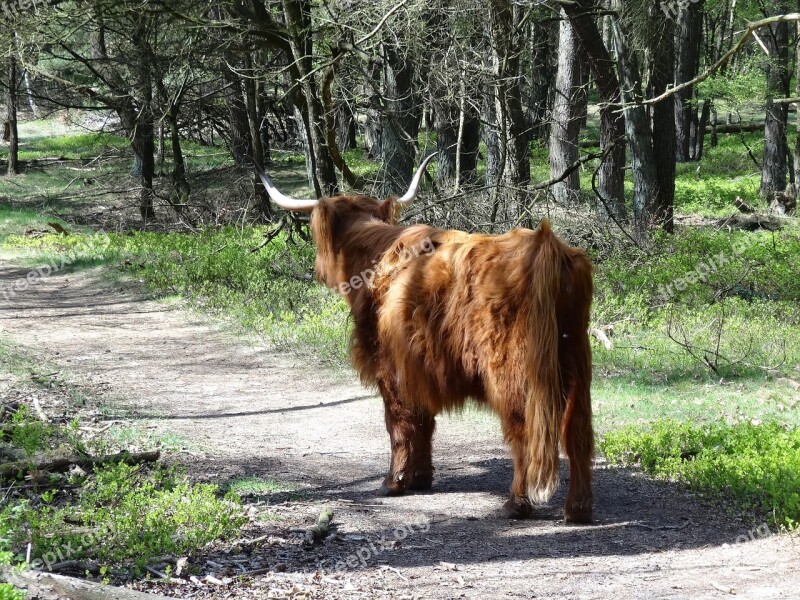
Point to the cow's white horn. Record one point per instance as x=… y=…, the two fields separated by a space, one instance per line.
x=281 y=200
x=409 y=196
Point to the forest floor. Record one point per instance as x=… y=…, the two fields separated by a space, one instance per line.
x=308 y=438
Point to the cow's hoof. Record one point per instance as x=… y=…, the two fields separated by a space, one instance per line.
x=422 y=481
x=392 y=487
x=582 y=516
x=517 y=507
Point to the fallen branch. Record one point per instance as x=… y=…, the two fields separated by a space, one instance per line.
x=13 y=469
x=601 y=337
x=743 y=206
x=49 y=586
x=320 y=530
x=40 y=413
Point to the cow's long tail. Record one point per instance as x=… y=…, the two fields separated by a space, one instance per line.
x=544 y=404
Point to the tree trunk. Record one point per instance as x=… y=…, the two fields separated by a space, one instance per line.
x=399 y=122
x=542 y=45
x=263 y=205
x=470 y=144
x=239 y=136
x=640 y=137
x=179 y=182
x=700 y=130
x=774 y=166
x=566 y=125
x=345 y=126
x=446 y=120
x=797 y=111
x=612 y=124
x=298 y=21
x=12 y=105
x=143 y=141
x=515 y=167
x=491 y=138
x=662 y=52
x=688 y=39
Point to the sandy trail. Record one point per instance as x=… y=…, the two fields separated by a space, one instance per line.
x=246 y=411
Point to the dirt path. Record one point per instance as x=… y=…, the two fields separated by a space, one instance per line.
x=245 y=411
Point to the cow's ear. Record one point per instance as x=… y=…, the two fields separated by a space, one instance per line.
x=321 y=226
x=387 y=211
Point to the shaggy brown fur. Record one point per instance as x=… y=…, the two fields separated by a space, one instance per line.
x=442 y=316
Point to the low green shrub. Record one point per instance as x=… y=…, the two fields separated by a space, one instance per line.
x=125 y=514
x=756 y=466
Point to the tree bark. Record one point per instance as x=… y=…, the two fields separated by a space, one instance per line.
x=612 y=124
x=298 y=21
x=662 y=51
x=143 y=140
x=700 y=130
x=774 y=166
x=688 y=39
x=446 y=120
x=239 y=137
x=640 y=136
x=12 y=105
x=345 y=126
x=566 y=124
x=399 y=121
x=470 y=144
x=515 y=167
x=797 y=111
x=542 y=44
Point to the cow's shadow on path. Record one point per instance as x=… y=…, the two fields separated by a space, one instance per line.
x=633 y=516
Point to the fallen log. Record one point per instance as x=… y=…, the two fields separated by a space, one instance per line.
x=13 y=469
x=49 y=586
x=320 y=530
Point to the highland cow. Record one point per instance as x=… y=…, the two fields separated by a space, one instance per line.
x=446 y=316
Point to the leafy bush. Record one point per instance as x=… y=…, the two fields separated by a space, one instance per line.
x=126 y=514
x=757 y=466
x=7 y=591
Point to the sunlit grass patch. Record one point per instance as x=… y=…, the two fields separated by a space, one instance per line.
x=71 y=146
x=16 y=221
x=754 y=465
x=623 y=400
x=126 y=514
x=258 y=486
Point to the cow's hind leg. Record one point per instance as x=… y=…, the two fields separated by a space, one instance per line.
x=421 y=450
x=578 y=438
x=518 y=505
x=400 y=425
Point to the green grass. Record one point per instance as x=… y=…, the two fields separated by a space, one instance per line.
x=257 y=486
x=126 y=514
x=756 y=466
x=70 y=146
x=8 y=592
x=625 y=400
x=16 y=221
x=269 y=292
